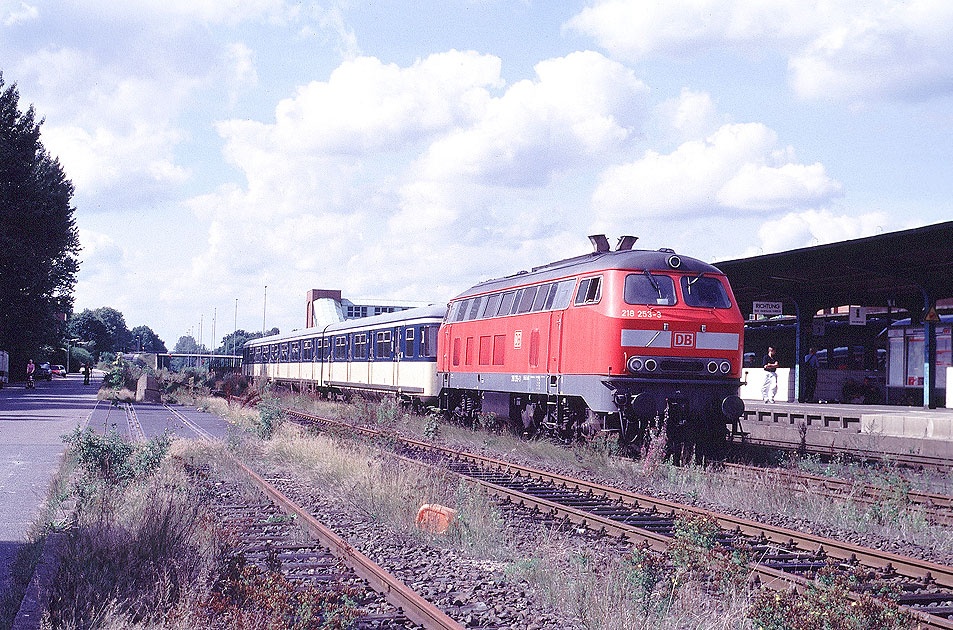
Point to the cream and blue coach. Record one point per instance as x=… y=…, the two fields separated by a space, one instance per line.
x=391 y=353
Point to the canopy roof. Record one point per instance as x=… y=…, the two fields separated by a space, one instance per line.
x=893 y=269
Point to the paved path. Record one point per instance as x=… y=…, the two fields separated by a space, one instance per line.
x=32 y=422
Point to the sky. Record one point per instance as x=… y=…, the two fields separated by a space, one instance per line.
x=408 y=150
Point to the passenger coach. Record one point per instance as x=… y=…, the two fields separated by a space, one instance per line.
x=394 y=353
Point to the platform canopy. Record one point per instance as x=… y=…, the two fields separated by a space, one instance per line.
x=907 y=269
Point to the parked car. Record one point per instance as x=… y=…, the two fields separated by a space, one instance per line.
x=44 y=370
x=58 y=370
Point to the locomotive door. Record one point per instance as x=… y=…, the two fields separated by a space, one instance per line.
x=555 y=341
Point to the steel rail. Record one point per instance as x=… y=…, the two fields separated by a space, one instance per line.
x=936 y=507
x=914 y=459
x=205 y=435
x=918 y=569
x=136 y=433
x=415 y=607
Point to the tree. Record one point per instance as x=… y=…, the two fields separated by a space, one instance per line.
x=188 y=345
x=39 y=241
x=144 y=339
x=119 y=337
x=89 y=328
x=235 y=340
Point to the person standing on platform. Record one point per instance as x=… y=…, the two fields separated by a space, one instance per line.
x=86 y=374
x=770 y=387
x=810 y=375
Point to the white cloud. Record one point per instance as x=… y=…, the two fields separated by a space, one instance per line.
x=739 y=167
x=835 y=48
x=690 y=115
x=24 y=13
x=580 y=107
x=816 y=227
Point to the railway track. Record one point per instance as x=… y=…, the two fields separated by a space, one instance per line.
x=915 y=460
x=783 y=557
x=937 y=508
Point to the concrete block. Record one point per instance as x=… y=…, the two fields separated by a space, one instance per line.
x=147 y=389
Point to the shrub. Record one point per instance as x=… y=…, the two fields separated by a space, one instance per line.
x=270 y=417
x=111 y=458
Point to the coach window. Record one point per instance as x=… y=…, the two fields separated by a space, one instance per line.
x=428 y=341
x=306 y=350
x=274 y=353
x=383 y=344
x=340 y=348
x=258 y=354
x=704 y=291
x=506 y=303
x=649 y=288
x=284 y=352
x=295 y=351
x=590 y=291
x=408 y=342
x=360 y=346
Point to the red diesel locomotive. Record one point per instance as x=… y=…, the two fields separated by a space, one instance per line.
x=609 y=341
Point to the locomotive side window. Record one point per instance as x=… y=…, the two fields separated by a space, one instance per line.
x=649 y=288
x=492 y=305
x=541 y=294
x=704 y=291
x=383 y=344
x=563 y=295
x=590 y=291
x=516 y=302
x=408 y=342
x=506 y=303
x=526 y=301
x=475 y=305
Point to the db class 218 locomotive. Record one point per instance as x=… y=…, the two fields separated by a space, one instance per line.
x=619 y=341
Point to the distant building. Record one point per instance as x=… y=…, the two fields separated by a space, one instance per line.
x=326 y=306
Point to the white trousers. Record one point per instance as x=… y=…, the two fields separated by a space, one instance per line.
x=770 y=387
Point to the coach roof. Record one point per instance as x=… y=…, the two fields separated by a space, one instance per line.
x=434 y=311
x=637 y=259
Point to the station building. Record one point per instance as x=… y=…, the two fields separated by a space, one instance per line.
x=327 y=306
x=879 y=310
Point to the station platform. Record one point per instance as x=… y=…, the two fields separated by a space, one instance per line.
x=892 y=430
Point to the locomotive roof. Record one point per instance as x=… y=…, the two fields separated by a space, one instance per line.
x=636 y=259
x=433 y=311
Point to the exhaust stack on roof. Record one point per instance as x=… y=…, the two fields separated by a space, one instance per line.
x=626 y=243
x=599 y=243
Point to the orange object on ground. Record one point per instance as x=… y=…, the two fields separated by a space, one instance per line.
x=434 y=518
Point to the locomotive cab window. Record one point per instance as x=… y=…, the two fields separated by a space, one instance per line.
x=506 y=304
x=590 y=291
x=526 y=301
x=492 y=305
x=704 y=291
x=649 y=288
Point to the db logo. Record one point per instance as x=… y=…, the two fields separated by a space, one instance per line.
x=684 y=340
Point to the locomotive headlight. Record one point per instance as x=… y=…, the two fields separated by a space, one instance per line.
x=712 y=367
x=725 y=367
x=651 y=365
x=635 y=364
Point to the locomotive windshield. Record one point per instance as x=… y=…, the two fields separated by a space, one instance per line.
x=649 y=288
x=704 y=291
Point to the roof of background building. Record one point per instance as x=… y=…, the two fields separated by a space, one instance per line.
x=871 y=271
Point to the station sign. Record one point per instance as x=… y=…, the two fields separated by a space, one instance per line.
x=767 y=309
x=857 y=316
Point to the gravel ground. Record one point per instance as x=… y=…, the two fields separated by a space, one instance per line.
x=477 y=593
